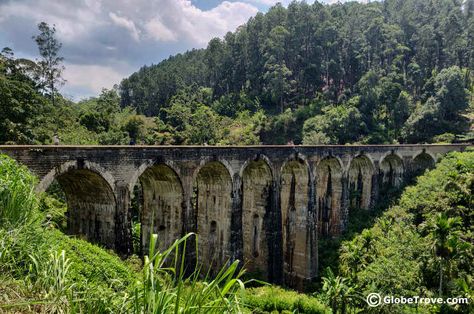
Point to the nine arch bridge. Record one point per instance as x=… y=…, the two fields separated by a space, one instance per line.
x=265 y=205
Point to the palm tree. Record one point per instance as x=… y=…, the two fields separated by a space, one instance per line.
x=445 y=235
x=337 y=291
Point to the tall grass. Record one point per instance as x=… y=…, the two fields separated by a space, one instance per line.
x=166 y=289
x=18 y=201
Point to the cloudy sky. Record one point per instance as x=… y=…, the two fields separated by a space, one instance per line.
x=107 y=40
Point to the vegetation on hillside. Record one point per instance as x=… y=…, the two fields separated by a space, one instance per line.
x=423 y=246
x=384 y=72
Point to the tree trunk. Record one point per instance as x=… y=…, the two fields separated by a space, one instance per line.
x=441 y=278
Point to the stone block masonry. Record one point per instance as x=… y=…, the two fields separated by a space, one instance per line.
x=263 y=205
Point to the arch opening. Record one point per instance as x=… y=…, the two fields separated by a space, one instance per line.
x=161 y=206
x=422 y=162
x=328 y=196
x=360 y=175
x=256 y=204
x=391 y=173
x=91 y=206
x=213 y=208
x=294 y=198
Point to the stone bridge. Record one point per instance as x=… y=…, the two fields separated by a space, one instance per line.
x=265 y=205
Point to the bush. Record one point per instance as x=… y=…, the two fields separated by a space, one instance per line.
x=269 y=299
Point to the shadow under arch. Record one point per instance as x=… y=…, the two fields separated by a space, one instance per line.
x=90 y=198
x=257 y=184
x=294 y=198
x=422 y=162
x=360 y=173
x=212 y=204
x=162 y=203
x=328 y=175
x=391 y=172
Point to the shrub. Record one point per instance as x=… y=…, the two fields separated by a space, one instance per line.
x=270 y=298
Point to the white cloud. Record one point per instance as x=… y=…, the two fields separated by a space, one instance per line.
x=125 y=23
x=200 y=26
x=156 y=30
x=172 y=20
x=273 y=2
x=92 y=77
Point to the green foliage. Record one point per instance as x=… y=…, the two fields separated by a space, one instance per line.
x=165 y=289
x=336 y=125
x=337 y=292
x=244 y=130
x=18 y=202
x=50 y=66
x=423 y=245
x=442 y=112
x=269 y=299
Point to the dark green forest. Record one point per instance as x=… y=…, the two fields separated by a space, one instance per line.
x=384 y=72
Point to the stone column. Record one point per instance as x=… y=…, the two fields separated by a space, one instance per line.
x=312 y=230
x=345 y=201
x=123 y=227
x=189 y=218
x=236 y=235
x=374 y=193
x=274 y=234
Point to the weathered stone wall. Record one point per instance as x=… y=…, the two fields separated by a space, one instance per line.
x=329 y=184
x=213 y=203
x=294 y=196
x=257 y=188
x=264 y=205
x=162 y=206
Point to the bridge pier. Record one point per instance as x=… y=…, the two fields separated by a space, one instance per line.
x=123 y=223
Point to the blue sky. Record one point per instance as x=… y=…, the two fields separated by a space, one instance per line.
x=104 y=41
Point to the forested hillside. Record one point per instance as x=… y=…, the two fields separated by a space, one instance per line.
x=383 y=72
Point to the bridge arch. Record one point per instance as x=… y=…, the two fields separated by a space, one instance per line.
x=328 y=177
x=391 y=171
x=49 y=178
x=90 y=200
x=257 y=183
x=295 y=183
x=162 y=203
x=422 y=161
x=360 y=173
x=135 y=178
x=212 y=201
x=207 y=160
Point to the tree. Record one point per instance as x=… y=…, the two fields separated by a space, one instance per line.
x=337 y=125
x=443 y=111
x=277 y=74
x=444 y=234
x=50 y=64
x=337 y=291
x=20 y=101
